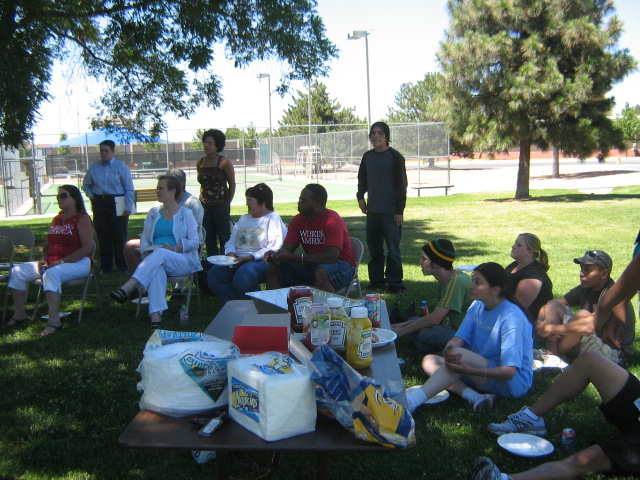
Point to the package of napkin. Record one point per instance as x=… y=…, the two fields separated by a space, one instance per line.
x=184 y=373
x=271 y=396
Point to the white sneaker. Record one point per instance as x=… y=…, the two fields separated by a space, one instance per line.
x=520 y=422
x=484 y=469
x=487 y=402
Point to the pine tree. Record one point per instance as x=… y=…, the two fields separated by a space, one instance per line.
x=524 y=72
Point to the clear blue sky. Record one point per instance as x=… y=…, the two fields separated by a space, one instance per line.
x=404 y=38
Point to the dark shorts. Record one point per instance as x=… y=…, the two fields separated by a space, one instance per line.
x=340 y=274
x=623 y=411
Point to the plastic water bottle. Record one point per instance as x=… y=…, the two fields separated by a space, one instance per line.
x=184 y=315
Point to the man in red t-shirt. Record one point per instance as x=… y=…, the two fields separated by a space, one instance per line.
x=326 y=260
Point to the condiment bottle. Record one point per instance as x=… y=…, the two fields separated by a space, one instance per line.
x=359 y=337
x=316 y=327
x=425 y=309
x=338 y=325
x=298 y=298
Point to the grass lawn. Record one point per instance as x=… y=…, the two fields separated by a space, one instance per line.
x=66 y=398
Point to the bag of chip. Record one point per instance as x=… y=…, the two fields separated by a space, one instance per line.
x=359 y=403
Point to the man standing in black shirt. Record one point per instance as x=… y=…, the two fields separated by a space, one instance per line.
x=382 y=175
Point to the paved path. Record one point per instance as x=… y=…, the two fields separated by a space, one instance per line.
x=467 y=176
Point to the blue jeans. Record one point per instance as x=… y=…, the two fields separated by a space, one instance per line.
x=233 y=283
x=432 y=339
x=381 y=228
x=216 y=224
x=340 y=274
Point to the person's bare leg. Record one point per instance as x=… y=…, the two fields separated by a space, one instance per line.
x=551 y=314
x=53 y=299
x=591 y=459
x=132 y=256
x=322 y=281
x=19 y=302
x=590 y=367
x=441 y=377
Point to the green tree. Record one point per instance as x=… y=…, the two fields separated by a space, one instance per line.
x=63 y=150
x=233 y=133
x=522 y=72
x=629 y=123
x=154 y=57
x=415 y=103
x=325 y=112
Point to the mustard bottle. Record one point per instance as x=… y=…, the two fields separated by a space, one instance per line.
x=359 y=337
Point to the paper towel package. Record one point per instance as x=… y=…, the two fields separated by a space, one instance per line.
x=186 y=377
x=271 y=396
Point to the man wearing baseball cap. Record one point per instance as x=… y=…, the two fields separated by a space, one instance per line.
x=432 y=332
x=570 y=334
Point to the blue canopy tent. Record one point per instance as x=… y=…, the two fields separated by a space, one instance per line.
x=119 y=137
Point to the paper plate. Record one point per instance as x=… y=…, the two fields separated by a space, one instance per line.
x=222 y=260
x=525 y=445
x=466 y=268
x=537 y=364
x=384 y=336
x=438 y=398
x=60 y=315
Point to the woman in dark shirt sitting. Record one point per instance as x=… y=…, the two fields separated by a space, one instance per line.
x=528 y=279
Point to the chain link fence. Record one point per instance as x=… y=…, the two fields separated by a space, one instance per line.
x=331 y=156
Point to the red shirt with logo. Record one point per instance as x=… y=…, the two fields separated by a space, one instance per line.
x=63 y=238
x=315 y=234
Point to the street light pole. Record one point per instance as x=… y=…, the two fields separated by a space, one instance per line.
x=357 y=34
x=268 y=77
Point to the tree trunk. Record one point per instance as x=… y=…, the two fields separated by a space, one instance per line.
x=522 y=188
x=556 y=162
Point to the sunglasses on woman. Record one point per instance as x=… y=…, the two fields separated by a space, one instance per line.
x=62 y=196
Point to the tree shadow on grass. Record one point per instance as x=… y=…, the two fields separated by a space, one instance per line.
x=568 y=198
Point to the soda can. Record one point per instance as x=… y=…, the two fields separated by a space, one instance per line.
x=373 y=303
x=568 y=441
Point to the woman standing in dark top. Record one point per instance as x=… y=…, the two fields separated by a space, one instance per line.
x=217 y=186
x=528 y=279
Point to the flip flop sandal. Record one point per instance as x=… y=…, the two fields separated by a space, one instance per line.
x=16 y=321
x=44 y=333
x=119 y=295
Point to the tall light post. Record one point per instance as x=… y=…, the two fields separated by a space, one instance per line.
x=356 y=35
x=268 y=77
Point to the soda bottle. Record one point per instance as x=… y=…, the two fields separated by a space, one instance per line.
x=424 y=309
x=338 y=325
x=359 y=337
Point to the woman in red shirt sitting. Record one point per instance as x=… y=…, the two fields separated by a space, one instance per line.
x=66 y=256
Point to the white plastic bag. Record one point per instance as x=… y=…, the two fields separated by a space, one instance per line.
x=184 y=373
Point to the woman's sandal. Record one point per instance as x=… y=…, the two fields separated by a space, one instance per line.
x=46 y=332
x=16 y=321
x=119 y=295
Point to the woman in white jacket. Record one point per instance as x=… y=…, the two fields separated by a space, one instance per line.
x=170 y=234
x=258 y=231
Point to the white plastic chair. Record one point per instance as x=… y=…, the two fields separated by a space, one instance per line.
x=358 y=251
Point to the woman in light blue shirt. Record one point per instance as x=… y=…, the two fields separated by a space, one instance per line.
x=170 y=240
x=490 y=354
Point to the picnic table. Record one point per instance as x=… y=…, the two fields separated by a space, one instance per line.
x=151 y=430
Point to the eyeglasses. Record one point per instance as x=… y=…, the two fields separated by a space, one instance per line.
x=62 y=196
x=594 y=253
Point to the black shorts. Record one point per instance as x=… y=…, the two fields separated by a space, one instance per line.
x=622 y=411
